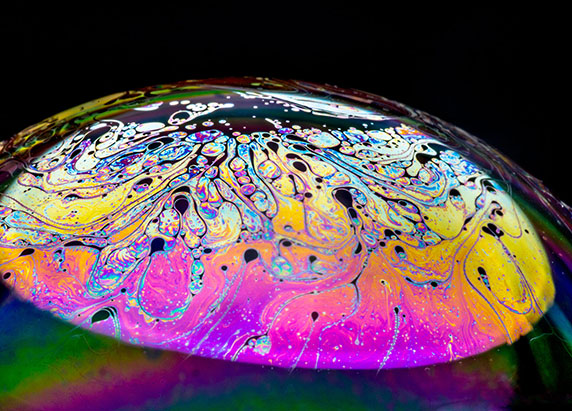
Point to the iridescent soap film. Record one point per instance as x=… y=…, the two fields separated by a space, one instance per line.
x=273 y=222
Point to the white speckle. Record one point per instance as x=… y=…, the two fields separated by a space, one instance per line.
x=150 y=127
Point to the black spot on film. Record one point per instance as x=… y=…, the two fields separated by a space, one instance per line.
x=181 y=204
x=101 y=315
x=158 y=244
x=250 y=254
x=344 y=197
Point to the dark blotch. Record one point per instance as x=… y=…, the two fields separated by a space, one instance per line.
x=95 y=134
x=6 y=276
x=493 y=230
x=423 y=158
x=315 y=315
x=484 y=277
x=100 y=316
x=75 y=153
x=312 y=258
x=250 y=254
x=182 y=189
x=298 y=165
x=181 y=204
x=344 y=197
x=27 y=251
x=358 y=249
x=294 y=137
x=166 y=140
x=34 y=174
x=158 y=244
x=272 y=146
x=147 y=181
x=488 y=231
x=73 y=243
x=388 y=233
x=286 y=243
x=489 y=186
x=352 y=212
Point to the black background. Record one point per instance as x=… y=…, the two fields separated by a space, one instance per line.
x=498 y=74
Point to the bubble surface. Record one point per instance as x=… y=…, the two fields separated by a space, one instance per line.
x=280 y=223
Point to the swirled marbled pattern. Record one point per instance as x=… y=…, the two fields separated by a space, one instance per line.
x=268 y=224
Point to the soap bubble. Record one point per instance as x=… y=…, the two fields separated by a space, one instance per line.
x=336 y=230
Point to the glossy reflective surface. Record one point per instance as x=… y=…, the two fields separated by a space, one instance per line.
x=280 y=223
x=271 y=223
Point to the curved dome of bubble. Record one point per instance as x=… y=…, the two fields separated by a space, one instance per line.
x=271 y=222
